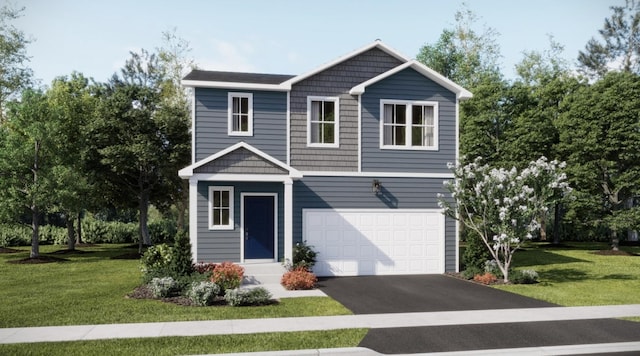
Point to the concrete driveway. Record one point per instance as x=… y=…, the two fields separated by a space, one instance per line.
x=432 y=293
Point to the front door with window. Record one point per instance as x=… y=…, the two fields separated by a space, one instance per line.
x=259 y=227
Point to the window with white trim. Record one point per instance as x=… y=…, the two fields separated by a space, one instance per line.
x=409 y=125
x=323 y=122
x=240 y=114
x=221 y=208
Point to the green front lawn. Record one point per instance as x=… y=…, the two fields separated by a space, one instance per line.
x=90 y=288
x=194 y=345
x=576 y=276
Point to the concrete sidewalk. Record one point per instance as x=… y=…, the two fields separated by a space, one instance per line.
x=251 y=326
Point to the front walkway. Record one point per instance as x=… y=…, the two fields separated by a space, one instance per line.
x=251 y=326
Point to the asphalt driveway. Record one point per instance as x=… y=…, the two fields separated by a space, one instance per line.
x=431 y=293
x=419 y=293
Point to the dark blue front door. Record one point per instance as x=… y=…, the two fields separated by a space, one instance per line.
x=259 y=224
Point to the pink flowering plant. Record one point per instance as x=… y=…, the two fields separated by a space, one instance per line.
x=503 y=206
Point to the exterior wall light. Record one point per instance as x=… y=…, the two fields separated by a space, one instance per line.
x=376 y=185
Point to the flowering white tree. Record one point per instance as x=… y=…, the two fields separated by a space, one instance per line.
x=503 y=206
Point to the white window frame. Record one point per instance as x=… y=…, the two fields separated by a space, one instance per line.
x=231 y=96
x=336 y=128
x=230 y=225
x=409 y=124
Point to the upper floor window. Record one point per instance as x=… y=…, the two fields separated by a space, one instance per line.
x=221 y=208
x=409 y=125
x=240 y=114
x=322 y=122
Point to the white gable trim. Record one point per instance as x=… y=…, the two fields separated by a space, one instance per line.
x=188 y=171
x=461 y=93
x=376 y=44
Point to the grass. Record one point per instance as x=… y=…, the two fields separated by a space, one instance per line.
x=90 y=288
x=575 y=275
x=194 y=345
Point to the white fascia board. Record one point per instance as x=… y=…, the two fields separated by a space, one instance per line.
x=234 y=85
x=378 y=174
x=188 y=171
x=220 y=177
x=375 y=44
x=461 y=93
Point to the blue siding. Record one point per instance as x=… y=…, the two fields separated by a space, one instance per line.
x=269 y=123
x=224 y=245
x=407 y=85
x=355 y=193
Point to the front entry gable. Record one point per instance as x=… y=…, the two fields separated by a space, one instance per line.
x=240 y=159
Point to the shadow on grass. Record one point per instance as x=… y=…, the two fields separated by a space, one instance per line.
x=560 y=275
x=537 y=257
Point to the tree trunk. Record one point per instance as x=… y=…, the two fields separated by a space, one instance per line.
x=143 y=220
x=71 y=235
x=615 y=241
x=543 y=227
x=80 y=227
x=35 y=236
x=556 y=224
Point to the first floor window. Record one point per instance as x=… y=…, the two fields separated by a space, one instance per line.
x=220 y=208
x=323 y=123
x=408 y=125
x=240 y=114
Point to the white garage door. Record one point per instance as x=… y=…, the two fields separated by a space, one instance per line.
x=359 y=242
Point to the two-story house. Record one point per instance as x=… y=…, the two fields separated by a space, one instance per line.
x=349 y=157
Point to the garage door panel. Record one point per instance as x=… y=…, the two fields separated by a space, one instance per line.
x=370 y=242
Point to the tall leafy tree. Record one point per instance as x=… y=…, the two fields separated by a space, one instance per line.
x=470 y=58
x=137 y=139
x=15 y=75
x=619 y=47
x=600 y=136
x=27 y=161
x=175 y=62
x=75 y=105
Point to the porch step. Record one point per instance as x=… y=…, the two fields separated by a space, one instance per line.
x=262 y=273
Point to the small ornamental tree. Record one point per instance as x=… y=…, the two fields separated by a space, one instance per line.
x=503 y=206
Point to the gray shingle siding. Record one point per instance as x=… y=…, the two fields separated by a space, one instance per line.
x=241 y=161
x=355 y=193
x=224 y=245
x=335 y=81
x=269 y=123
x=407 y=85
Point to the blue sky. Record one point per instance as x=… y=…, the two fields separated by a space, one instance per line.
x=284 y=37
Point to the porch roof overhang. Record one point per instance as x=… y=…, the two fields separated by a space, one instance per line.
x=189 y=172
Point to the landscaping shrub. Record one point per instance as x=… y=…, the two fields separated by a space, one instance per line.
x=155 y=262
x=203 y=293
x=164 y=287
x=204 y=267
x=227 y=275
x=491 y=266
x=526 y=276
x=162 y=231
x=475 y=252
x=15 y=235
x=486 y=278
x=471 y=272
x=50 y=234
x=181 y=262
x=303 y=256
x=299 y=278
x=243 y=297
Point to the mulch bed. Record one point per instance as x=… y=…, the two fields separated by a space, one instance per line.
x=144 y=292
